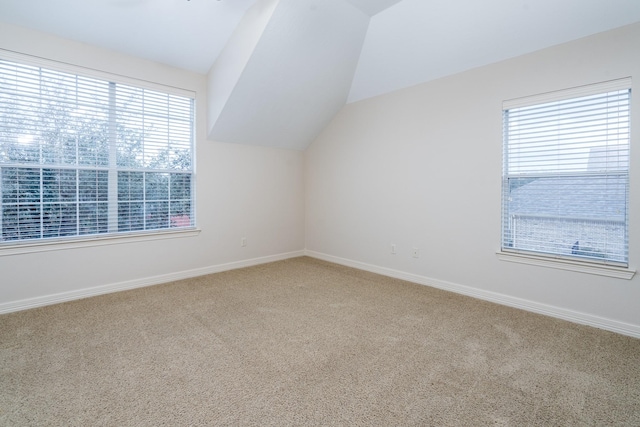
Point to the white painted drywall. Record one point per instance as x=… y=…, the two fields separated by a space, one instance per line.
x=372 y=7
x=227 y=70
x=242 y=191
x=421 y=167
x=416 y=41
x=297 y=77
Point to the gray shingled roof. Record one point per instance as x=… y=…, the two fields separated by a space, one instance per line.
x=595 y=197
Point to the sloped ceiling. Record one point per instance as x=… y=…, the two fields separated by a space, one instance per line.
x=417 y=40
x=283 y=68
x=187 y=34
x=372 y=7
x=296 y=78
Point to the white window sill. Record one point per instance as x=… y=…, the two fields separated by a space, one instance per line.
x=84 y=242
x=566 y=264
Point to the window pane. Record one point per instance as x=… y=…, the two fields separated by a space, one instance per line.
x=93 y=185
x=156 y=186
x=21 y=222
x=93 y=146
x=180 y=200
x=58 y=185
x=9 y=185
x=129 y=142
x=180 y=186
x=59 y=219
x=130 y=186
x=20 y=185
x=93 y=218
x=130 y=126
x=130 y=216
x=157 y=215
x=570 y=215
x=181 y=214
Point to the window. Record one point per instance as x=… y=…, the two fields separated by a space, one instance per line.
x=565 y=185
x=81 y=156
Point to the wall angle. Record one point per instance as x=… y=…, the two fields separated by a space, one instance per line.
x=285 y=73
x=373 y=7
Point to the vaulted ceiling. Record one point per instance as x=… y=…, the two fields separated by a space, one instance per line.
x=279 y=70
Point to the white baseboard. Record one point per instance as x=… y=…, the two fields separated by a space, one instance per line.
x=25 y=304
x=532 y=306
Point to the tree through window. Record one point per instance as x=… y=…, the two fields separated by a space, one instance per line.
x=81 y=156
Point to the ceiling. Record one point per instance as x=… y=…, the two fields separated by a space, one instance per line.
x=304 y=59
x=421 y=40
x=186 y=34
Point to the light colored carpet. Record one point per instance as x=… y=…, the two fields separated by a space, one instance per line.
x=308 y=343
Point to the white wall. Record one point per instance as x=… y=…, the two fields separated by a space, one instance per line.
x=242 y=191
x=227 y=70
x=296 y=78
x=421 y=167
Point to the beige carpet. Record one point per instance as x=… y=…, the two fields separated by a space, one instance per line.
x=307 y=343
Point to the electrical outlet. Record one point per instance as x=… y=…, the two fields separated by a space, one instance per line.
x=415 y=252
x=393 y=249
x=243 y=241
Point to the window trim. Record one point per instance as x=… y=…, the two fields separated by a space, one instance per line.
x=72 y=242
x=602 y=268
x=562 y=263
x=576 y=92
x=26 y=247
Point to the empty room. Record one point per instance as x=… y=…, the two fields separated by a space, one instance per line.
x=319 y=212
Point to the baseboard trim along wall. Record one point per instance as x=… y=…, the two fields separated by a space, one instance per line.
x=25 y=304
x=532 y=306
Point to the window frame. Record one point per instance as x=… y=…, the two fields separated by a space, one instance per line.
x=558 y=261
x=14 y=247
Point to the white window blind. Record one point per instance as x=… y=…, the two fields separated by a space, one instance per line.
x=566 y=174
x=81 y=156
